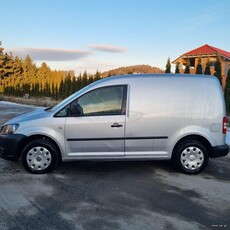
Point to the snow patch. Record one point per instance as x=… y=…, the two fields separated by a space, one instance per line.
x=17 y=104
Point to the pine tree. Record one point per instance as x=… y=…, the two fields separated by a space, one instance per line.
x=97 y=76
x=73 y=85
x=67 y=86
x=43 y=76
x=177 y=70
x=168 y=66
x=187 y=67
x=207 y=70
x=53 y=90
x=84 y=80
x=29 y=72
x=218 y=69
x=78 y=84
x=199 y=67
x=227 y=92
x=17 y=67
x=2 y=63
x=8 y=68
x=56 y=92
x=91 y=79
x=61 y=90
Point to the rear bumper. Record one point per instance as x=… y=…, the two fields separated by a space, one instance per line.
x=9 y=146
x=219 y=151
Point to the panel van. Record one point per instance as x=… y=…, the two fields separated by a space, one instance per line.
x=132 y=117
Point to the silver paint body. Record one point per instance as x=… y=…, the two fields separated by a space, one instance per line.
x=160 y=110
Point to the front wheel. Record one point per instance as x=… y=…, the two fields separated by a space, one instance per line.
x=40 y=156
x=191 y=156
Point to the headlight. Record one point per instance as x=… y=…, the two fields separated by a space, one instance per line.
x=9 y=129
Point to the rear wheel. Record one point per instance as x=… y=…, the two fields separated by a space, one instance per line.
x=40 y=156
x=191 y=156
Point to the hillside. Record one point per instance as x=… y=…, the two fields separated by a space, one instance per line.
x=131 y=70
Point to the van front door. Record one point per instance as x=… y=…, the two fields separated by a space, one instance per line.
x=95 y=124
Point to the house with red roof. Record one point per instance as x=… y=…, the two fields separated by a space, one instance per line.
x=205 y=52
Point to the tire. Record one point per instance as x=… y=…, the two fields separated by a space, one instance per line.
x=190 y=156
x=40 y=156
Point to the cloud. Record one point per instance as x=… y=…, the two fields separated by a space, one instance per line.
x=108 y=48
x=45 y=54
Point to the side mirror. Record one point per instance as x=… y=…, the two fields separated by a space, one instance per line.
x=76 y=110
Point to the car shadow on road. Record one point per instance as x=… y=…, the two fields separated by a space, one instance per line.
x=114 y=166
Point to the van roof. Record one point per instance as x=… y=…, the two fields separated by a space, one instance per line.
x=163 y=75
x=128 y=77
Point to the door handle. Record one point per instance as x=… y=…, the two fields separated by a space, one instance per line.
x=116 y=125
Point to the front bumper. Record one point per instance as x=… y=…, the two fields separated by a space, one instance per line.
x=9 y=146
x=219 y=151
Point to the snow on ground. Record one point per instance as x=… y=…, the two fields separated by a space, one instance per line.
x=17 y=104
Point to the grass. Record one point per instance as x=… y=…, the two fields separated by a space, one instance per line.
x=44 y=101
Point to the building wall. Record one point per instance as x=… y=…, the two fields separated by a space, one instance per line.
x=225 y=65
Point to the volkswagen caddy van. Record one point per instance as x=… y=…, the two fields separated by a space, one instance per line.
x=132 y=117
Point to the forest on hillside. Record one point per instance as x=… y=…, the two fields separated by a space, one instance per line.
x=21 y=76
x=132 y=70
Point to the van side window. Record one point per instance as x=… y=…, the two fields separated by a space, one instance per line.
x=101 y=102
x=105 y=101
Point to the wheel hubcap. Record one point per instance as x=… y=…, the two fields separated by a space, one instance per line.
x=38 y=158
x=192 y=158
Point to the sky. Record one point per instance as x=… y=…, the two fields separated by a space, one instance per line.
x=99 y=35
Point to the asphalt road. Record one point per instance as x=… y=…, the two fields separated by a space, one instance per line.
x=113 y=195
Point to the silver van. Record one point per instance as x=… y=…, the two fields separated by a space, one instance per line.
x=131 y=117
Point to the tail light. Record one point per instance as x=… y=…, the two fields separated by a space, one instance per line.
x=224 y=125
